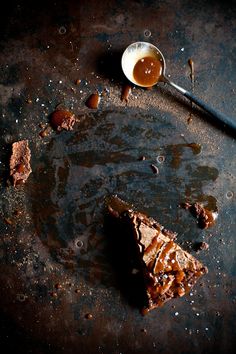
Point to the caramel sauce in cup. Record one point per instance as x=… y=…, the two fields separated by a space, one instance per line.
x=147 y=71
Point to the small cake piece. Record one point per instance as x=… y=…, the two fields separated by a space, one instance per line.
x=20 y=168
x=168 y=270
x=62 y=119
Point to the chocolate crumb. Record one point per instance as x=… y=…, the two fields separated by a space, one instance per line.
x=201 y=246
x=144 y=330
x=8 y=221
x=105 y=92
x=205 y=217
x=88 y=316
x=53 y=294
x=58 y=286
x=18 y=212
x=42 y=125
x=185 y=205
x=45 y=132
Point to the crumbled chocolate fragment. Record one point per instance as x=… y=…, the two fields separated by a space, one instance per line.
x=185 y=205
x=45 y=132
x=53 y=294
x=205 y=217
x=18 y=213
x=42 y=125
x=201 y=246
x=88 y=316
x=58 y=286
x=196 y=209
x=204 y=246
x=20 y=168
x=167 y=269
x=105 y=92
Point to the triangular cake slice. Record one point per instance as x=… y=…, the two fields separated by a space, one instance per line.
x=168 y=270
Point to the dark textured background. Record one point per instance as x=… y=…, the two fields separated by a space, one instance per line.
x=45 y=47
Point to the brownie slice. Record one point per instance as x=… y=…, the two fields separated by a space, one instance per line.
x=20 y=168
x=168 y=270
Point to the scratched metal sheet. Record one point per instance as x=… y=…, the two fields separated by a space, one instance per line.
x=57 y=265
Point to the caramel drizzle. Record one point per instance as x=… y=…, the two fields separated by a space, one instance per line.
x=159 y=263
x=154 y=242
x=192 y=73
x=154 y=246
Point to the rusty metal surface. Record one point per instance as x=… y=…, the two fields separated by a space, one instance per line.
x=56 y=264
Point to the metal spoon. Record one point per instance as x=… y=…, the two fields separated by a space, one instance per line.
x=138 y=50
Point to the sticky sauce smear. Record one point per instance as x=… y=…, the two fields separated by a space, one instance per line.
x=93 y=101
x=147 y=71
x=126 y=91
x=192 y=77
x=192 y=73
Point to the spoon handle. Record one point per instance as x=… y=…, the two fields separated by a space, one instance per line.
x=221 y=117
